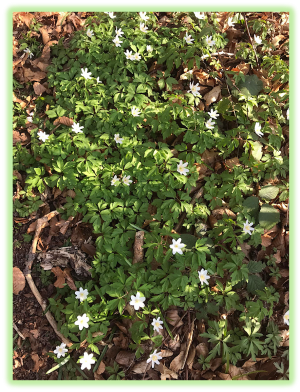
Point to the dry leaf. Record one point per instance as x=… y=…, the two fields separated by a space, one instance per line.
x=242 y=67
x=60 y=277
x=212 y=96
x=26 y=17
x=18 y=280
x=209 y=157
x=39 y=89
x=37 y=362
x=177 y=363
x=31 y=76
x=202 y=349
x=191 y=356
x=70 y=282
x=173 y=318
x=101 y=368
x=234 y=371
x=266 y=240
x=89 y=249
x=45 y=35
x=125 y=358
x=64 y=121
x=166 y=374
x=233 y=162
x=215 y=363
x=141 y=367
x=22 y=138
x=22 y=103
x=166 y=353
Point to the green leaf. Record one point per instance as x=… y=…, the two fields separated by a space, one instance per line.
x=268 y=216
x=189 y=240
x=255 y=283
x=251 y=86
x=256 y=150
x=161 y=83
x=268 y=192
x=59 y=365
x=255 y=266
x=251 y=205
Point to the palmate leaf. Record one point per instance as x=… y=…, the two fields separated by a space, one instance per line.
x=251 y=86
x=255 y=283
x=268 y=216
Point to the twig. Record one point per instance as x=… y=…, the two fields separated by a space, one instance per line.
x=27 y=272
x=244 y=15
x=18 y=332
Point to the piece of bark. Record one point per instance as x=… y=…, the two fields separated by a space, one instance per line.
x=138 y=252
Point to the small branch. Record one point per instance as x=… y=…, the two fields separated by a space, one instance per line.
x=27 y=273
x=244 y=15
x=18 y=332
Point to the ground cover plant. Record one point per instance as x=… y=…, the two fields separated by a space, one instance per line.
x=151 y=186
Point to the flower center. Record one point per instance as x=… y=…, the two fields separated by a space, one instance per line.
x=286 y=317
x=157 y=324
x=154 y=358
x=202 y=277
x=247 y=227
x=137 y=301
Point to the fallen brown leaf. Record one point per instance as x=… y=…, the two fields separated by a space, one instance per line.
x=173 y=318
x=212 y=96
x=125 y=358
x=177 y=363
x=39 y=89
x=45 y=35
x=31 y=75
x=26 y=17
x=64 y=121
x=89 y=249
x=70 y=281
x=141 y=367
x=166 y=374
x=18 y=280
x=60 y=277
x=37 y=362
x=101 y=368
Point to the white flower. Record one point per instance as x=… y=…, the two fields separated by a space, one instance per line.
x=135 y=111
x=111 y=14
x=157 y=324
x=257 y=129
x=118 y=139
x=126 y=180
x=143 y=28
x=286 y=318
x=42 y=136
x=257 y=39
x=149 y=48
x=87 y=361
x=30 y=54
x=288 y=114
x=247 y=227
x=199 y=15
x=89 y=33
x=98 y=80
x=210 y=41
x=210 y=124
x=29 y=118
x=213 y=114
x=137 y=301
x=77 y=128
x=82 y=321
x=203 y=276
x=119 y=32
x=176 y=246
x=181 y=168
x=143 y=16
x=60 y=351
x=136 y=56
x=188 y=38
x=81 y=294
x=154 y=357
x=229 y=22
x=117 y=41
x=128 y=54
x=85 y=73
x=114 y=180
x=194 y=89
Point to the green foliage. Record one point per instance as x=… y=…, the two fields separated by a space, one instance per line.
x=87 y=162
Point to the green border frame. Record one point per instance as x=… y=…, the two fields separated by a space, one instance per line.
x=292 y=165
